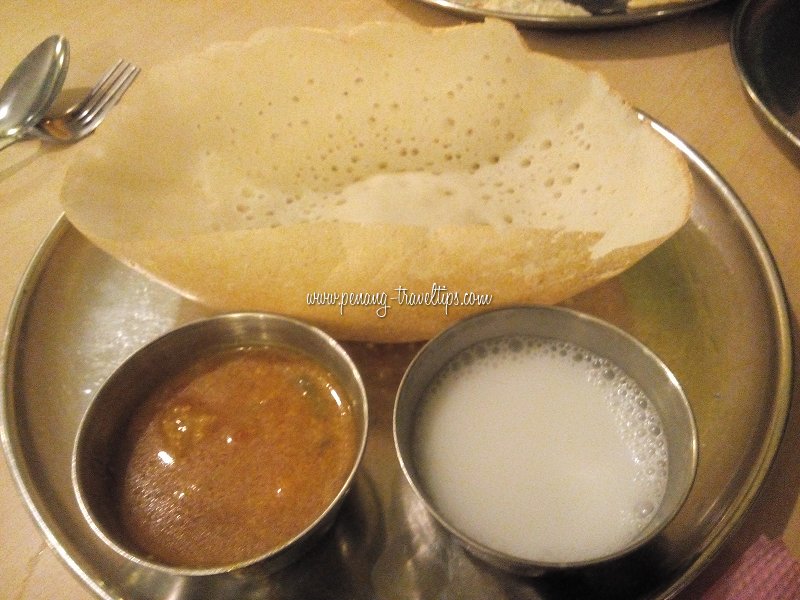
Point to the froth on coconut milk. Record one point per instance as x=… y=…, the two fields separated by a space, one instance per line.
x=541 y=450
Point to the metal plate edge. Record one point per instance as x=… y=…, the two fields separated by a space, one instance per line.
x=782 y=322
x=636 y=17
x=8 y=351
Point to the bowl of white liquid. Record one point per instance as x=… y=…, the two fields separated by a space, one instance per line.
x=543 y=438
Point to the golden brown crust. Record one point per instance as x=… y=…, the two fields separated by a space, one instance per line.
x=249 y=270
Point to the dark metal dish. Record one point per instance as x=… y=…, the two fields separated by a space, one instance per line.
x=766 y=49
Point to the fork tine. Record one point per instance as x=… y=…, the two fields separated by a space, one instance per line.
x=109 y=99
x=83 y=118
x=107 y=90
x=87 y=101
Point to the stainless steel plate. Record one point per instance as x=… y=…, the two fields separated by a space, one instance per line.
x=765 y=41
x=709 y=302
x=563 y=14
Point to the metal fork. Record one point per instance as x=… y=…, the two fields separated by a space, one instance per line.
x=82 y=119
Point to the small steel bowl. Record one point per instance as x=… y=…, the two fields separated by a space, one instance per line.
x=106 y=419
x=592 y=334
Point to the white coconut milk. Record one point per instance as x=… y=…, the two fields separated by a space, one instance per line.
x=541 y=450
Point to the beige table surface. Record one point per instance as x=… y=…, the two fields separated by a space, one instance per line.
x=680 y=71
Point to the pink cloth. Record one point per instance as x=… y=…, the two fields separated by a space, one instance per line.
x=766 y=571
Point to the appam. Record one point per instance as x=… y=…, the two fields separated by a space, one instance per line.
x=318 y=174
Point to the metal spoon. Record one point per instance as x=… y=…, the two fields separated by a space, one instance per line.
x=32 y=87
